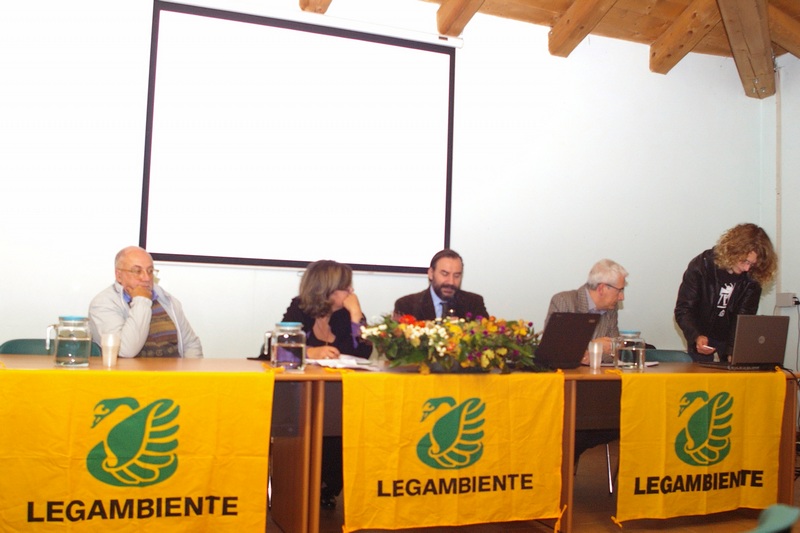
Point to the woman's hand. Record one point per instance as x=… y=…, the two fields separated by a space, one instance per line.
x=702 y=346
x=353 y=306
x=322 y=352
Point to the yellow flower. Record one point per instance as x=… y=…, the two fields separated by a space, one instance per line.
x=486 y=343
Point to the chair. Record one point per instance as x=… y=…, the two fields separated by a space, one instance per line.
x=652 y=354
x=668 y=356
x=34 y=347
x=24 y=346
x=777 y=518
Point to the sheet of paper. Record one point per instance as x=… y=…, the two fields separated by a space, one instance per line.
x=345 y=361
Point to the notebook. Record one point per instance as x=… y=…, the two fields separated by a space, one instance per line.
x=565 y=339
x=759 y=344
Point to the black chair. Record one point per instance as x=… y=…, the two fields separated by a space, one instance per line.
x=35 y=347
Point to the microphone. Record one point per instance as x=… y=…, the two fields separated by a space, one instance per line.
x=450 y=309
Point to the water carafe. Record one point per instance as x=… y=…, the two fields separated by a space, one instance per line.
x=73 y=341
x=286 y=345
x=629 y=350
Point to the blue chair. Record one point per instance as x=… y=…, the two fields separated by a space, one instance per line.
x=777 y=518
x=34 y=347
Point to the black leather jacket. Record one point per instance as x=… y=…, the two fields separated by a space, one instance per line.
x=695 y=308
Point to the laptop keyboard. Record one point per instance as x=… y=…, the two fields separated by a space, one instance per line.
x=729 y=366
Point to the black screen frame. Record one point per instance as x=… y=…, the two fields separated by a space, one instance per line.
x=158 y=7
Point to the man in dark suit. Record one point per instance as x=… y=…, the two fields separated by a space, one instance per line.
x=444 y=296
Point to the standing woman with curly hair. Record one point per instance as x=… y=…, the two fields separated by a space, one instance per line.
x=719 y=285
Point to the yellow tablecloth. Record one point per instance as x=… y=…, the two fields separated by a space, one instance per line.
x=426 y=450
x=134 y=451
x=698 y=443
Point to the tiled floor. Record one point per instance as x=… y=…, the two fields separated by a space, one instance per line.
x=593 y=509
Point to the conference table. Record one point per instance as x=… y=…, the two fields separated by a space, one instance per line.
x=591 y=401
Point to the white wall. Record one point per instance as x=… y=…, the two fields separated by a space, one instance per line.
x=557 y=163
x=787 y=156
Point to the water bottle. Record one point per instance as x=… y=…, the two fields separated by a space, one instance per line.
x=73 y=342
x=629 y=350
x=286 y=345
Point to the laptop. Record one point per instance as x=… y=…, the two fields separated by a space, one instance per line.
x=566 y=339
x=759 y=344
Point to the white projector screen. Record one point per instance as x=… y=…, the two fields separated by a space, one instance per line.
x=272 y=142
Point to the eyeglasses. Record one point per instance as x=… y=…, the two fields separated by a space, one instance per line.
x=151 y=272
x=619 y=289
x=749 y=263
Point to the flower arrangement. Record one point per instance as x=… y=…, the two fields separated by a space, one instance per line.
x=452 y=344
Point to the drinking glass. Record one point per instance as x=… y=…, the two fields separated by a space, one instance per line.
x=595 y=354
x=109 y=345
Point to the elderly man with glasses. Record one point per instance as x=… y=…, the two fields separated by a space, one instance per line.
x=149 y=320
x=601 y=294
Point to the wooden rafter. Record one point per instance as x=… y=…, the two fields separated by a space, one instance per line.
x=688 y=29
x=753 y=32
x=453 y=15
x=575 y=24
x=315 y=6
x=747 y=25
x=784 y=30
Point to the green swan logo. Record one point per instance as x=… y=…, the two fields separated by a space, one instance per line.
x=139 y=450
x=705 y=439
x=454 y=441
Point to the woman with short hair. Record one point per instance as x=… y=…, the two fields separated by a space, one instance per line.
x=330 y=312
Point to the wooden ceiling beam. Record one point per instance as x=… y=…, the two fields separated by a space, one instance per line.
x=575 y=24
x=315 y=6
x=688 y=29
x=453 y=15
x=784 y=30
x=747 y=25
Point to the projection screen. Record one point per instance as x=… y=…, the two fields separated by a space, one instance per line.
x=273 y=142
